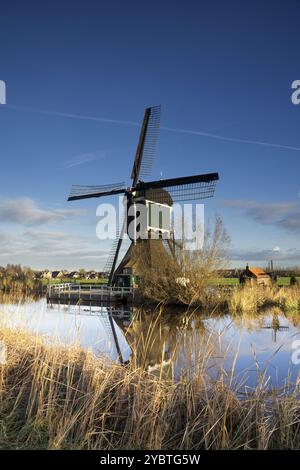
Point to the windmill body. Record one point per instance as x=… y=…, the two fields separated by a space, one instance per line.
x=147 y=206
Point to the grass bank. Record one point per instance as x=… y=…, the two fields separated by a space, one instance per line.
x=234 y=281
x=254 y=298
x=62 y=398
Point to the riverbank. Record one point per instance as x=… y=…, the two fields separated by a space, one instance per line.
x=253 y=298
x=64 y=398
x=235 y=299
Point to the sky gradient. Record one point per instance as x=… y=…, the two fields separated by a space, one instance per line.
x=78 y=77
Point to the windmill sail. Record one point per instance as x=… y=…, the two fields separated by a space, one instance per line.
x=144 y=157
x=187 y=188
x=111 y=256
x=86 y=192
x=115 y=249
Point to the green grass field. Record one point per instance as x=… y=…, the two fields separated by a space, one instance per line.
x=232 y=281
x=222 y=281
x=285 y=281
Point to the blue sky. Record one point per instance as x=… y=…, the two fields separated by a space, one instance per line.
x=219 y=68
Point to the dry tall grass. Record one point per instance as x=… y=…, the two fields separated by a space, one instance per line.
x=58 y=398
x=252 y=298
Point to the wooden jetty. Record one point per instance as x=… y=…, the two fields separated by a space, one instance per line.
x=99 y=293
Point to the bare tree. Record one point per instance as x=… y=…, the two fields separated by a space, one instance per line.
x=185 y=276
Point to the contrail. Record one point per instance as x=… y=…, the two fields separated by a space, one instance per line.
x=74 y=116
x=168 y=129
x=231 y=139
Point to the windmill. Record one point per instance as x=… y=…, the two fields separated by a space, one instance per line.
x=159 y=194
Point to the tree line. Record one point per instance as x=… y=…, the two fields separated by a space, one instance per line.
x=17 y=278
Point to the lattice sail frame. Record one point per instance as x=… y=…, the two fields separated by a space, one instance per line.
x=151 y=139
x=183 y=193
x=187 y=188
x=84 y=192
x=144 y=156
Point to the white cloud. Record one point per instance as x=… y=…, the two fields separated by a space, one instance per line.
x=52 y=249
x=285 y=216
x=46 y=235
x=289 y=256
x=25 y=211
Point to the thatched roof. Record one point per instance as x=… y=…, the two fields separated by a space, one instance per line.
x=144 y=254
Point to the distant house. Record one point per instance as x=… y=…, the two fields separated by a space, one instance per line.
x=46 y=275
x=74 y=275
x=57 y=274
x=92 y=275
x=255 y=276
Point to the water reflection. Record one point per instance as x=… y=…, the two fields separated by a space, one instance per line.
x=237 y=349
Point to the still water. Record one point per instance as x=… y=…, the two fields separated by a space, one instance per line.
x=240 y=349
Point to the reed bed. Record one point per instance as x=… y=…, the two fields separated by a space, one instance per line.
x=16 y=279
x=53 y=397
x=252 y=298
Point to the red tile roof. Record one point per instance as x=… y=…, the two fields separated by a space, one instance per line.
x=258 y=272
